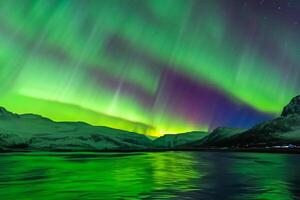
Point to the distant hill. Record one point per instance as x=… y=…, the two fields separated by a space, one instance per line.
x=176 y=140
x=217 y=138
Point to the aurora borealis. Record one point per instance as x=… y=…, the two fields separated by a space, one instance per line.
x=152 y=66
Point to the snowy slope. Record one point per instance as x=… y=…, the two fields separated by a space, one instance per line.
x=35 y=132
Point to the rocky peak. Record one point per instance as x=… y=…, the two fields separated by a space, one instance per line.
x=292 y=108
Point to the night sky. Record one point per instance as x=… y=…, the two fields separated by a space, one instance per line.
x=151 y=66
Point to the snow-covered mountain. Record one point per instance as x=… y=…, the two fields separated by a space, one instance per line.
x=281 y=131
x=34 y=132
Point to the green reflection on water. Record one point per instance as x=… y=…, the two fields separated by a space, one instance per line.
x=96 y=176
x=161 y=175
x=266 y=174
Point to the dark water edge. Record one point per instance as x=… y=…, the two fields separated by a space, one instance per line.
x=248 y=150
x=149 y=175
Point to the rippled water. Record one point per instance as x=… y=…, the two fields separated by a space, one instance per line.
x=163 y=175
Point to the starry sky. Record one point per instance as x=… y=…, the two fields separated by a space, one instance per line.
x=151 y=66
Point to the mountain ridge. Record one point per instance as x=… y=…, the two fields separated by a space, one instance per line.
x=35 y=132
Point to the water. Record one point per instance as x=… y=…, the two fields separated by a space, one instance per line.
x=163 y=175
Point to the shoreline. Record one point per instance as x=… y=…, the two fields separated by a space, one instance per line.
x=241 y=150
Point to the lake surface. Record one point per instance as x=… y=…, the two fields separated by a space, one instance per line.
x=158 y=175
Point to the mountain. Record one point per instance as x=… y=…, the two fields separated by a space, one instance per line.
x=34 y=132
x=175 y=140
x=281 y=131
x=217 y=138
x=277 y=132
